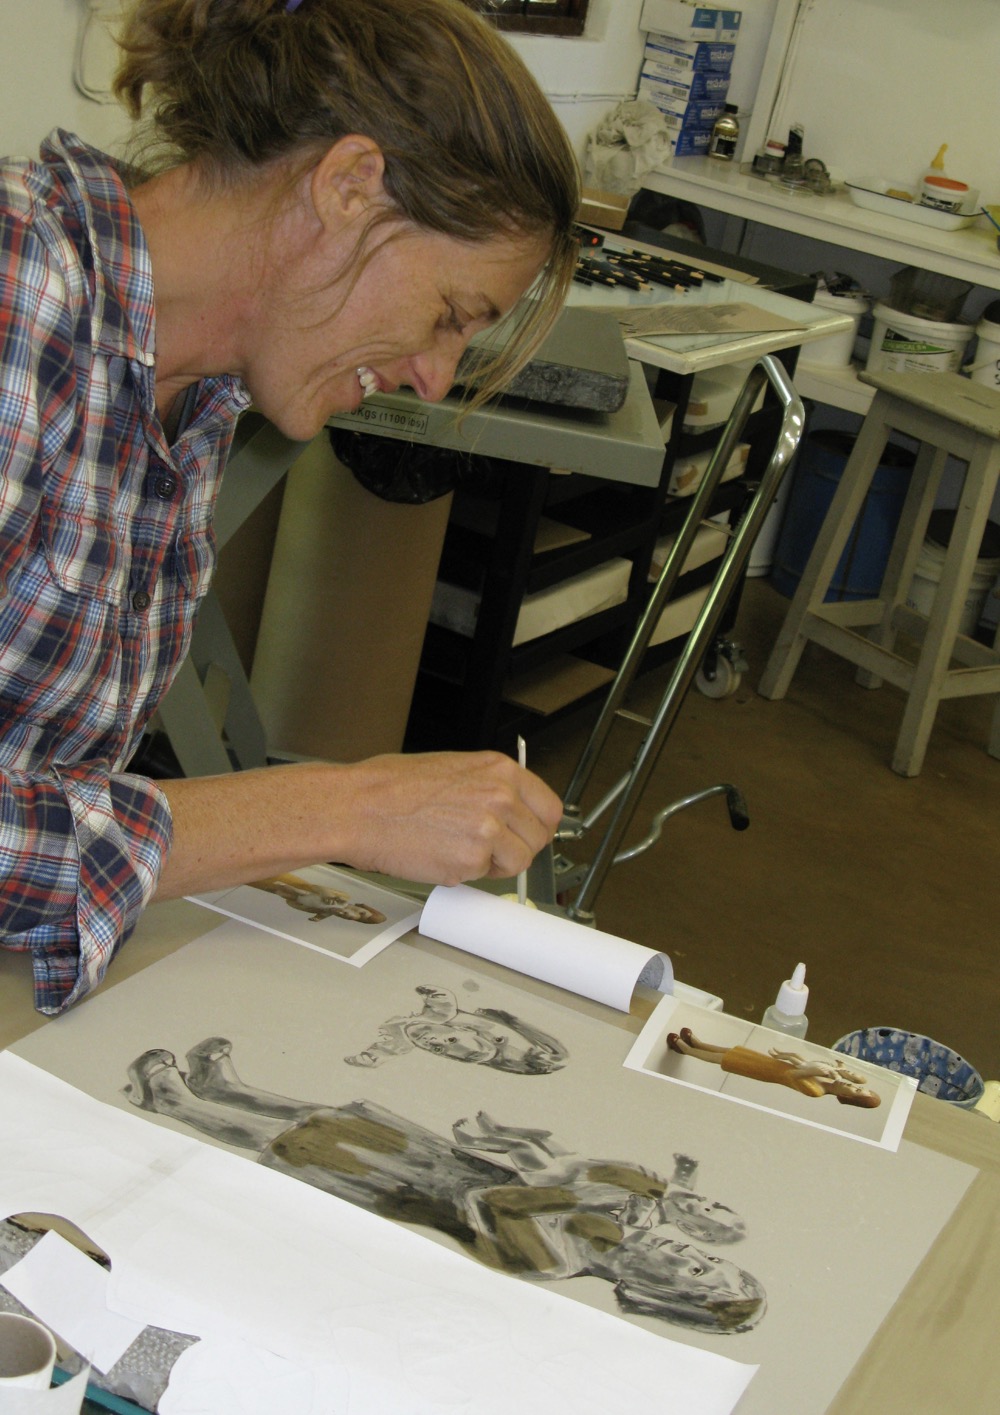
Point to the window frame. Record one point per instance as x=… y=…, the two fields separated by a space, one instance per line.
x=527 y=17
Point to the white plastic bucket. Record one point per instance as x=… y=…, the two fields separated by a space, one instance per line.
x=986 y=368
x=836 y=349
x=927 y=577
x=902 y=343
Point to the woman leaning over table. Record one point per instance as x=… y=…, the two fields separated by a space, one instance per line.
x=324 y=197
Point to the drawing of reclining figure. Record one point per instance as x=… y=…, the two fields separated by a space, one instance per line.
x=486 y=1037
x=511 y=1197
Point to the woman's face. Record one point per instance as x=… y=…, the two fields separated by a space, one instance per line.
x=315 y=343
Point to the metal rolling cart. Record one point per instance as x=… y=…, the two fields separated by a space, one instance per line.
x=553 y=877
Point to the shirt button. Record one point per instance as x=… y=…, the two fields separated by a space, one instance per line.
x=165 y=486
x=141 y=600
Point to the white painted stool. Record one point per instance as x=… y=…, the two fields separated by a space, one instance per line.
x=949 y=416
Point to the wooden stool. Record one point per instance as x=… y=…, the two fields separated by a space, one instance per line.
x=949 y=416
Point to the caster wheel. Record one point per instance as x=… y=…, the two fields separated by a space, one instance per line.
x=722 y=684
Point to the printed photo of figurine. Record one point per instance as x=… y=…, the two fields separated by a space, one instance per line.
x=329 y=910
x=318 y=900
x=752 y=1065
x=782 y=1068
x=509 y=1196
x=486 y=1037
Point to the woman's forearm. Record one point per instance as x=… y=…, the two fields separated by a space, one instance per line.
x=438 y=818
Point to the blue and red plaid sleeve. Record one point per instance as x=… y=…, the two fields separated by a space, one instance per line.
x=106 y=549
x=80 y=856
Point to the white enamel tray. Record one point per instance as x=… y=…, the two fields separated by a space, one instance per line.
x=871 y=193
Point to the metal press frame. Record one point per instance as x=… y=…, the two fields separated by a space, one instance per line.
x=626 y=793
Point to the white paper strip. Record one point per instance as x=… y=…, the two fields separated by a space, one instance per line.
x=586 y=961
x=67 y=1291
x=65 y=1399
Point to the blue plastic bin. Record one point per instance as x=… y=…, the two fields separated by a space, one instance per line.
x=818 y=471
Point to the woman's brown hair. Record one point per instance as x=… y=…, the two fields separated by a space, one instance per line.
x=472 y=147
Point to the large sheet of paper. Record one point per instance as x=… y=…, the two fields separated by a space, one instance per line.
x=471 y=1109
x=374 y=1317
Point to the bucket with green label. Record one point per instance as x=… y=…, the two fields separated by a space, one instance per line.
x=902 y=343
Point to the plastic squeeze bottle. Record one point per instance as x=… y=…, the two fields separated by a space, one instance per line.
x=787 y=1012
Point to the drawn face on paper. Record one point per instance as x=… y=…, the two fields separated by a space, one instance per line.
x=656 y=1259
x=457 y=1042
x=704 y=1219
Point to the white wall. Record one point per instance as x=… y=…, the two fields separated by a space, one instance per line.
x=39 y=39
x=880 y=84
x=585 y=77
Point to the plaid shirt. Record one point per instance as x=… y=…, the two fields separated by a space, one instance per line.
x=106 y=549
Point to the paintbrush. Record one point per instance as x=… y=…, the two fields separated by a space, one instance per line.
x=522 y=879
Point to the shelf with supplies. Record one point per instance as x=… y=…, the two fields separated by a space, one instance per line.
x=967 y=254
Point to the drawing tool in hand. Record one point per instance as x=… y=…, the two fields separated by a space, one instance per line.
x=522 y=879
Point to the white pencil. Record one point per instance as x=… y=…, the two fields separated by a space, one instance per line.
x=522 y=879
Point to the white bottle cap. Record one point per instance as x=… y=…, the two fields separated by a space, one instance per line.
x=793 y=993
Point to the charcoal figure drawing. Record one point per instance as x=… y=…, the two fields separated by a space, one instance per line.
x=486 y=1037
x=510 y=1196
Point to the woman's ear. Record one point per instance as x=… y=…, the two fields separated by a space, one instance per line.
x=347 y=181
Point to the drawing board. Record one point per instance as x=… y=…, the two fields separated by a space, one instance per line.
x=833 y=1231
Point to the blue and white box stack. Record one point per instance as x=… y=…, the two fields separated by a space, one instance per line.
x=686 y=68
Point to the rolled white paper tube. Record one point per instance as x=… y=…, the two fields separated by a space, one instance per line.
x=554 y=949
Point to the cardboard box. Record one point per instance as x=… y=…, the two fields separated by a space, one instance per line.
x=679 y=112
x=709 y=544
x=680 y=18
x=605 y=209
x=690 y=56
x=688 y=472
x=729 y=25
x=692 y=142
x=679 y=616
x=708 y=84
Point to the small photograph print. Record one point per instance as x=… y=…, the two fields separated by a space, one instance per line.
x=791 y=1077
x=329 y=910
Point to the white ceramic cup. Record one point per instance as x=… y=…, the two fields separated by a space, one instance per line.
x=27 y=1353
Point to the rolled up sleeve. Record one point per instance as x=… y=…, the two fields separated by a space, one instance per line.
x=80 y=857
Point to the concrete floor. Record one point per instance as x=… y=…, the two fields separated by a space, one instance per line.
x=885 y=887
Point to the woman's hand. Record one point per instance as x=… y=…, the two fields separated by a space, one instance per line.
x=447 y=817
x=436 y=818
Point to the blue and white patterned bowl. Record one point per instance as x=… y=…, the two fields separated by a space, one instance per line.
x=938 y=1070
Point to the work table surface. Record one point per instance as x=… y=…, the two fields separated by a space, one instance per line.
x=935 y=1352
